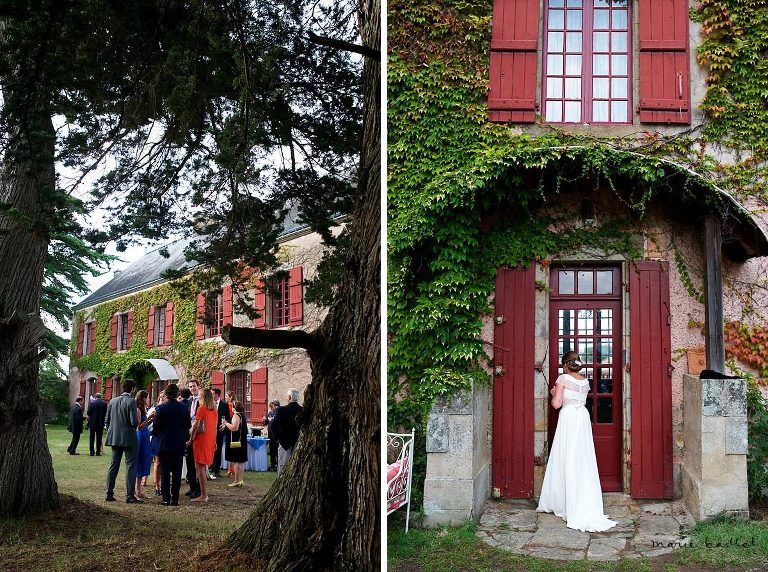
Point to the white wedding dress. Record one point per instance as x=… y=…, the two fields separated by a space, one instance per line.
x=571 y=486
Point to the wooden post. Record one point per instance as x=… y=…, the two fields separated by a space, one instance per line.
x=713 y=293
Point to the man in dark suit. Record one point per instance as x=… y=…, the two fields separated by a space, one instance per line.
x=223 y=413
x=286 y=428
x=171 y=427
x=75 y=425
x=97 y=414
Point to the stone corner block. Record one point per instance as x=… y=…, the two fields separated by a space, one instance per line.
x=723 y=397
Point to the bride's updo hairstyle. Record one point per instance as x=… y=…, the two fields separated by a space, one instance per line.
x=571 y=361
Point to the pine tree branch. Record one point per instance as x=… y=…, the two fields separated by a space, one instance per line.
x=346 y=46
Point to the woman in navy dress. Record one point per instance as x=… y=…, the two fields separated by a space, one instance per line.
x=144 y=454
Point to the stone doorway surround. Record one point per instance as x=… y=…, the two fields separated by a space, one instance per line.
x=644 y=529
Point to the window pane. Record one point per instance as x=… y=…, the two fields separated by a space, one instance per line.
x=554 y=111
x=604 y=322
x=572 y=111
x=604 y=350
x=556 y=19
x=604 y=409
x=573 y=42
x=554 y=87
x=574 y=3
x=585 y=282
x=564 y=346
x=585 y=323
x=555 y=65
x=557 y=3
x=604 y=381
x=572 y=65
x=601 y=3
x=565 y=279
x=600 y=41
x=619 y=111
x=555 y=41
x=600 y=111
x=584 y=347
x=599 y=65
x=602 y=19
x=565 y=319
x=573 y=88
x=618 y=65
x=619 y=87
x=600 y=88
x=573 y=20
x=619 y=18
x=605 y=282
x=619 y=42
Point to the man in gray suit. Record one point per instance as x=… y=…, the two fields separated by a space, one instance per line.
x=122 y=420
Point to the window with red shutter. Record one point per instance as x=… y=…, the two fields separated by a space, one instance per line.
x=258 y=395
x=151 y=327
x=260 y=305
x=80 y=338
x=281 y=304
x=199 y=326
x=296 y=296
x=238 y=383
x=227 y=306
x=514 y=58
x=168 y=336
x=113 y=335
x=664 y=62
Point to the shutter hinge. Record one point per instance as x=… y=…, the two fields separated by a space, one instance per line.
x=669 y=319
x=498 y=370
x=500 y=320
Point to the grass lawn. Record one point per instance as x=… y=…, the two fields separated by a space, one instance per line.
x=457 y=549
x=88 y=533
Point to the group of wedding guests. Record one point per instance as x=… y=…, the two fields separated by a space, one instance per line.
x=191 y=423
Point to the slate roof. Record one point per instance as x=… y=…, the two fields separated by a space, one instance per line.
x=147 y=270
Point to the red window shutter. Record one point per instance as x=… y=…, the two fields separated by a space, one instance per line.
x=113 y=337
x=93 y=337
x=151 y=327
x=97 y=386
x=296 y=296
x=513 y=420
x=258 y=394
x=651 y=375
x=169 y=323
x=665 y=95
x=514 y=58
x=260 y=304
x=108 y=389
x=199 y=326
x=82 y=389
x=217 y=380
x=130 y=330
x=80 y=336
x=227 y=301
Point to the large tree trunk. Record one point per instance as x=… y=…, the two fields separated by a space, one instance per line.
x=26 y=470
x=323 y=513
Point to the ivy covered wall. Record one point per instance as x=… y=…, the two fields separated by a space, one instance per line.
x=450 y=172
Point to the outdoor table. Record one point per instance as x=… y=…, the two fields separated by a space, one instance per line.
x=257 y=454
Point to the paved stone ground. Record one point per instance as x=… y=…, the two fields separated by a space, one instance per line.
x=644 y=529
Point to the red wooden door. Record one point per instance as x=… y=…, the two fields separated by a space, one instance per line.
x=512 y=461
x=585 y=316
x=651 y=375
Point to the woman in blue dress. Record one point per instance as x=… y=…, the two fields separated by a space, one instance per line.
x=144 y=454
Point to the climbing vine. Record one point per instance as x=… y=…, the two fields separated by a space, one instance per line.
x=198 y=357
x=465 y=195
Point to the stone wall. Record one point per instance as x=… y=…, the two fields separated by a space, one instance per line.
x=458 y=458
x=714 y=470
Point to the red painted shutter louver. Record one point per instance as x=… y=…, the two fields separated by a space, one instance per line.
x=514 y=58
x=651 y=377
x=80 y=336
x=227 y=301
x=108 y=389
x=97 y=386
x=92 y=348
x=151 y=327
x=260 y=305
x=169 y=323
x=217 y=380
x=199 y=326
x=258 y=394
x=513 y=421
x=130 y=331
x=665 y=95
x=82 y=389
x=296 y=297
x=113 y=337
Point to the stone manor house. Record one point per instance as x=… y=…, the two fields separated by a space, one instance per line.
x=137 y=326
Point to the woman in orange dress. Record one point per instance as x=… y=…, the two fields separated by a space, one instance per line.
x=204 y=442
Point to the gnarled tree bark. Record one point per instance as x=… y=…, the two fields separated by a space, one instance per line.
x=323 y=513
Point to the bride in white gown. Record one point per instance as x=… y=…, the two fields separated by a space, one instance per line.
x=571 y=486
